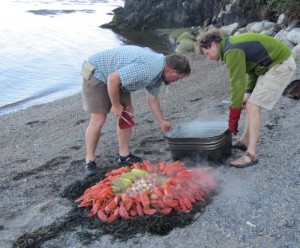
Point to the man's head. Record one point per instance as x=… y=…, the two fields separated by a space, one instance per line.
x=208 y=42
x=177 y=67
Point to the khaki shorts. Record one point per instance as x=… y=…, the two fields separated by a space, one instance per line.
x=270 y=86
x=95 y=97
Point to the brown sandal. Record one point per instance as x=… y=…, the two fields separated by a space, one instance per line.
x=244 y=163
x=239 y=145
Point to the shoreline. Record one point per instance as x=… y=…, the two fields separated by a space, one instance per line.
x=156 y=40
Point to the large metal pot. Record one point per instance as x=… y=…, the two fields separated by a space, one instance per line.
x=200 y=141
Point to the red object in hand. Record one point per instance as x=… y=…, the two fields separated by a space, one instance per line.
x=126 y=121
x=234 y=117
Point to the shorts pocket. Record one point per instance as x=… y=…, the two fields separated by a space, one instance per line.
x=87 y=70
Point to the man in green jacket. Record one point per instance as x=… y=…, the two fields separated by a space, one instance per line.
x=260 y=67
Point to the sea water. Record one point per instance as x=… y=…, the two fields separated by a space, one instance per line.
x=43 y=45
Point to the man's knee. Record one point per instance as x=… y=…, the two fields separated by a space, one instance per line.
x=252 y=108
x=97 y=120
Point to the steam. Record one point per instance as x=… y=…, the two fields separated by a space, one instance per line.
x=228 y=186
x=198 y=129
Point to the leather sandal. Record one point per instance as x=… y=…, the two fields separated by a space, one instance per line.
x=243 y=163
x=239 y=145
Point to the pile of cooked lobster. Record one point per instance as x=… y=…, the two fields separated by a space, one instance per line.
x=147 y=189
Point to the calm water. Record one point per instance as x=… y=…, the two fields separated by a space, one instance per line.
x=43 y=44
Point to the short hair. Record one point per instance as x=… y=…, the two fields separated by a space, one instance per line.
x=179 y=63
x=205 y=39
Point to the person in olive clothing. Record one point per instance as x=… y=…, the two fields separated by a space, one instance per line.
x=260 y=67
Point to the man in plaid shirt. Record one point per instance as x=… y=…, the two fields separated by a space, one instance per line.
x=110 y=76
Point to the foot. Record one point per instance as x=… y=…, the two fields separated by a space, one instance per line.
x=129 y=159
x=245 y=161
x=91 y=168
x=237 y=144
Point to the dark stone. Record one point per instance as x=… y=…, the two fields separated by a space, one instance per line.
x=293 y=90
x=158 y=14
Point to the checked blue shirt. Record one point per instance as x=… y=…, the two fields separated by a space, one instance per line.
x=138 y=67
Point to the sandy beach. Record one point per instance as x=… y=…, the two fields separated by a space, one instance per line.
x=43 y=151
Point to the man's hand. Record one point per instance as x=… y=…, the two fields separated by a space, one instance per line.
x=165 y=126
x=234 y=117
x=117 y=110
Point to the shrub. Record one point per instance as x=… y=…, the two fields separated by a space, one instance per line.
x=290 y=7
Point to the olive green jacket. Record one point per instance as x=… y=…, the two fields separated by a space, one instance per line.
x=248 y=56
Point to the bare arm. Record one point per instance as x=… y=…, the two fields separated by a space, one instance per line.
x=113 y=87
x=154 y=106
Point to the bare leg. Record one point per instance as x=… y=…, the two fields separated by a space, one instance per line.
x=253 y=125
x=245 y=137
x=254 y=115
x=92 y=135
x=124 y=136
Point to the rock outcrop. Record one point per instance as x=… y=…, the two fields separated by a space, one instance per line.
x=158 y=14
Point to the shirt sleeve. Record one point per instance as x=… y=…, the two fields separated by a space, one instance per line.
x=236 y=63
x=251 y=82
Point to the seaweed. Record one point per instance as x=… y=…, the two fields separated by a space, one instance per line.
x=120 y=230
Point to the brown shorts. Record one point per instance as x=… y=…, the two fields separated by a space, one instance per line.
x=95 y=96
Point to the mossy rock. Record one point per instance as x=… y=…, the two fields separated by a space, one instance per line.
x=175 y=34
x=186 y=45
x=185 y=36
